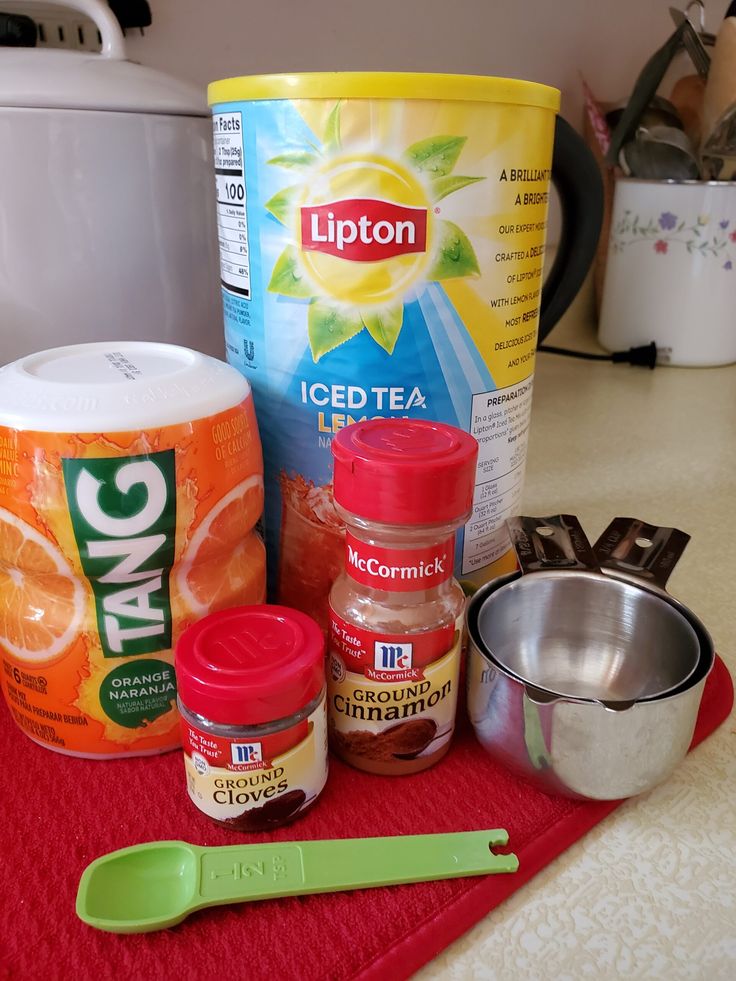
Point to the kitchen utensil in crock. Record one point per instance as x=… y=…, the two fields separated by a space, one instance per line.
x=720 y=91
x=692 y=39
x=687 y=96
x=158 y=884
x=660 y=153
x=646 y=85
x=718 y=155
x=599 y=749
x=658 y=112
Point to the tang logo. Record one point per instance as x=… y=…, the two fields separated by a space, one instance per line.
x=123 y=512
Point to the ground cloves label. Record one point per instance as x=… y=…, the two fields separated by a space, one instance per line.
x=250 y=782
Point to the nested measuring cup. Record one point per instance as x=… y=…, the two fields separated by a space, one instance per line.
x=584 y=674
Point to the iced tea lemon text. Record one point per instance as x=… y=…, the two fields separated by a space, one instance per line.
x=377 y=401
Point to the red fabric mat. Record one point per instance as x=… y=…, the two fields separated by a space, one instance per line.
x=60 y=813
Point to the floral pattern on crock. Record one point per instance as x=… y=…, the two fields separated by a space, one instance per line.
x=670 y=232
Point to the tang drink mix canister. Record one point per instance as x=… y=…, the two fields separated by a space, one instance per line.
x=381 y=241
x=130 y=485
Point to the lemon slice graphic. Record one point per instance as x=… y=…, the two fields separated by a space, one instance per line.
x=380 y=179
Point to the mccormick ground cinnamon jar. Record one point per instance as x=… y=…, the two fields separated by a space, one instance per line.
x=253 y=715
x=403 y=488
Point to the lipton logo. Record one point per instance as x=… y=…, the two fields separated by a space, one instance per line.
x=364 y=229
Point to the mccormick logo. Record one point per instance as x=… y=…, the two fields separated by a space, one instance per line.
x=392 y=657
x=246 y=753
x=364 y=229
x=417 y=573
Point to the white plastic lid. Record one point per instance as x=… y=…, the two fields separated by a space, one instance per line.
x=40 y=78
x=112 y=386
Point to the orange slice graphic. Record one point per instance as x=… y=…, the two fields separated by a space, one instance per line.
x=41 y=600
x=224 y=563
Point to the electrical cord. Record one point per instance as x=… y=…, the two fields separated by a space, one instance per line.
x=645 y=356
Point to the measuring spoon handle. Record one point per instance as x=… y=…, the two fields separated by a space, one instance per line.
x=237 y=873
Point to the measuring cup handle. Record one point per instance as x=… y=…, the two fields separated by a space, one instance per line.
x=641 y=550
x=577 y=179
x=555 y=542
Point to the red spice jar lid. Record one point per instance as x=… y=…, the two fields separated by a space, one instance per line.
x=404 y=471
x=250 y=664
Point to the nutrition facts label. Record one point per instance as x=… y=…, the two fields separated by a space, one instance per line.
x=499 y=421
x=232 y=223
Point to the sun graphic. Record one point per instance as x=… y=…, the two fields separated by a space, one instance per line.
x=350 y=293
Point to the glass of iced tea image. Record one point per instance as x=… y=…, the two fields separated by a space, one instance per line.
x=311 y=548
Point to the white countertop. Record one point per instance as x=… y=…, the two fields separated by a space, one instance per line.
x=651 y=891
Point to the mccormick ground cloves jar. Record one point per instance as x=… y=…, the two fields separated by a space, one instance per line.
x=253 y=715
x=403 y=488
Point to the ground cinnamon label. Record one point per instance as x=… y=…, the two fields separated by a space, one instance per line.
x=392 y=697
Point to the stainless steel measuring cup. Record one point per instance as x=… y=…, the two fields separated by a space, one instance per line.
x=568 y=677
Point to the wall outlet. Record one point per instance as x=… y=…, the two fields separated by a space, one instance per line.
x=58 y=27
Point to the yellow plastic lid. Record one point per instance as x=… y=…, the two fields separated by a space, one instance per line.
x=384 y=85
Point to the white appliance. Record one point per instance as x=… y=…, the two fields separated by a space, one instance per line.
x=107 y=221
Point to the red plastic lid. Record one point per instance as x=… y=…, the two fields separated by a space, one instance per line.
x=250 y=664
x=404 y=471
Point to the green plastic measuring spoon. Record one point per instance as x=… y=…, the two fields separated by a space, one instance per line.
x=156 y=885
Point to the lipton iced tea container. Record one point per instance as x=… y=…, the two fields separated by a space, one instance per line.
x=130 y=485
x=382 y=240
